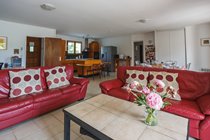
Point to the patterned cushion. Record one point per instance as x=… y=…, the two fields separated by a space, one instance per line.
x=56 y=77
x=136 y=75
x=169 y=79
x=24 y=82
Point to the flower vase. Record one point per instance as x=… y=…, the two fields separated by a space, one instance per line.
x=151 y=117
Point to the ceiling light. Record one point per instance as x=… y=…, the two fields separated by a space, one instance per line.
x=47 y=6
x=143 y=20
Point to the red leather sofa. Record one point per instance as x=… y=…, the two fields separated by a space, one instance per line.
x=194 y=89
x=15 y=110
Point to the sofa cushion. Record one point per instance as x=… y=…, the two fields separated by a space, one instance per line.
x=24 y=82
x=121 y=71
x=119 y=93
x=136 y=75
x=10 y=104
x=70 y=88
x=170 y=81
x=192 y=83
x=204 y=104
x=47 y=95
x=185 y=108
x=56 y=77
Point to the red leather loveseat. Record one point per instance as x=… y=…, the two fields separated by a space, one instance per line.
x=15 y=110
x=194 y=89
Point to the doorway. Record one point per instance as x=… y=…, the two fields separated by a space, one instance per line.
x=138 y=53
x=33 y=51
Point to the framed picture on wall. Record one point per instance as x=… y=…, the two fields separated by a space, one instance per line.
x=205 y=41
x=3 y=43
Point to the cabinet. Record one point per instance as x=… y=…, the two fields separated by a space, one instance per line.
x=94 y=49
x=170 y=46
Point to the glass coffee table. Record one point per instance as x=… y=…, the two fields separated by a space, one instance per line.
x=104 y=118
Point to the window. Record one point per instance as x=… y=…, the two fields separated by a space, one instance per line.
x=74 y=47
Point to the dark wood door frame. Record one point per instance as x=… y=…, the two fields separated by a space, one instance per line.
x=138 y=49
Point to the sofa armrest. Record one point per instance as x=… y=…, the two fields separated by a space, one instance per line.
x=80 y=81
x=203 y=103
x=110 y=84
x=84 y=84
x=205 y=129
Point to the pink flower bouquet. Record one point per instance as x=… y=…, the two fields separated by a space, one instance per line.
x=149 y=97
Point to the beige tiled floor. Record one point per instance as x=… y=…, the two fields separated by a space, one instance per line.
x=50 y=125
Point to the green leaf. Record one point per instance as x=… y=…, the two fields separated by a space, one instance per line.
x=166 y=104
x=164 y=96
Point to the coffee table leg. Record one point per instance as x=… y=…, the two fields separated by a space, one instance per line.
x=66 y=127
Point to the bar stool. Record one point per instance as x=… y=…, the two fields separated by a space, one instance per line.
x=95 y=69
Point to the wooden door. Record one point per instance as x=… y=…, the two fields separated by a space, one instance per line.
x=54 y=51
x=33 y=52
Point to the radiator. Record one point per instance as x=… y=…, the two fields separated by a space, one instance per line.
x=205 y=69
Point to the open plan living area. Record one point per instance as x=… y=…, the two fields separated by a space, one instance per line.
x=105 y=70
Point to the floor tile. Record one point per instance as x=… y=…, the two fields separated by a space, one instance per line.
x=6 y=131
x=46 y=120
x=84 y=137
x=25 y=129
x=8 y=136
x=60 y=136
x=58 y=114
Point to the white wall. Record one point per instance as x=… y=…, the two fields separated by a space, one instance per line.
x=147 y=38
x=73 y=38
x=197 y=55
x=123 y=44
x=150 y=36
x=16 y=34
x=170 y=46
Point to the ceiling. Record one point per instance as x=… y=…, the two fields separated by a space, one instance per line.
x=104 y=18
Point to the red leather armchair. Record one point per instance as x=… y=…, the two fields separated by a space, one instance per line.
x=194 y=89
x=15 y=110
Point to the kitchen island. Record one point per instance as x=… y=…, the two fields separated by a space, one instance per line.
x=82 y=65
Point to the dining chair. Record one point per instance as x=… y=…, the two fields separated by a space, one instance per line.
x=188 y=66
x=106 y=68
x=1 y=64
